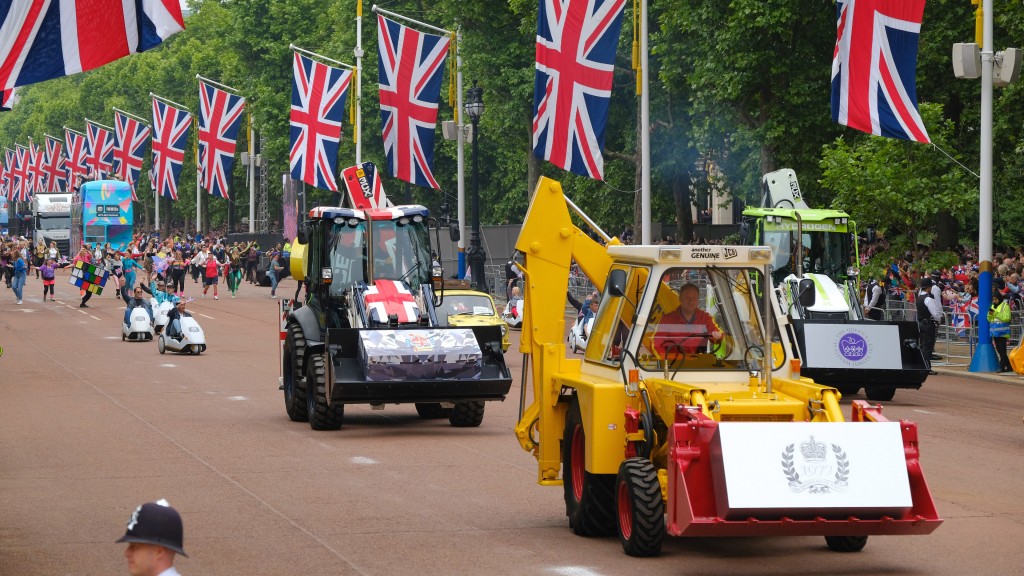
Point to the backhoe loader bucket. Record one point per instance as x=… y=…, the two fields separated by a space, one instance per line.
x=847 y=479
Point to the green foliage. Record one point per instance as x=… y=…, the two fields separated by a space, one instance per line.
x=898 y=186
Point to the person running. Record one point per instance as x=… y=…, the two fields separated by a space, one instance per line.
x=130 y=265
x=273 y=272
x=48 y=271
x=252 y=257
x=176 y=272
x=84 y=256
x=212 y=275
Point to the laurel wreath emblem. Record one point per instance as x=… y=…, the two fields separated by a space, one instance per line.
x=842 y=465
x=787 y=466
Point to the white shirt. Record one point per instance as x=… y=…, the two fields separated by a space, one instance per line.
x=933 y=306
x=172 y=571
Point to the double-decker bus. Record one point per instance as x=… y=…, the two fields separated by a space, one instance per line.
x=103 y=213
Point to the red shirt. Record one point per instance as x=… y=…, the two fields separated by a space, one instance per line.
x=675 y=332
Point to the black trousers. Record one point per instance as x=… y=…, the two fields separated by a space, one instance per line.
x=927 y=337
x=1004 y=359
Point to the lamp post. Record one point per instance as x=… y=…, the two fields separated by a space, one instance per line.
x=476 y=255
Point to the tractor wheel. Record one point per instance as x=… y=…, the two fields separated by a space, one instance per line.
x=846 y=543
x=294 y=384
x=848 y=389
x=589 y=498
x=641 y=509
x=467 y=414
x=322 y=416
x=882 y=393
x=431 y=410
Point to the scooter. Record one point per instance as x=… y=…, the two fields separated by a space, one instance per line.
x=139 y=326
x=580 y=333
x=192 y=340
x=513 y=317
x=160 y=312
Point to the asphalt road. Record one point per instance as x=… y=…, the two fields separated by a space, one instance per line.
x=90 y=427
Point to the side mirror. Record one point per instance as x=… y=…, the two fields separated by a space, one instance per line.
x=453 y=231
x=302 y=235
x=806 y=293
x=745 y=233
x=617 y=283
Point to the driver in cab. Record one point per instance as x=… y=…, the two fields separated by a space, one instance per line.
x=686 y=329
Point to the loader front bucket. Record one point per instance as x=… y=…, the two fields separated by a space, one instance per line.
x=775 y=479
x=430 y=364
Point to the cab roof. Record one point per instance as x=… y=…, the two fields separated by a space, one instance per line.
x=390 y=213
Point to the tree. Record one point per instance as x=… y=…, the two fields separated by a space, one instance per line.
x=897 y=186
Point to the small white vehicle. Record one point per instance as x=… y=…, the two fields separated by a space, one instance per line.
x=192 y=340
x=514 y=318
x=139 y=325
x=579 y=333
x=160 y=312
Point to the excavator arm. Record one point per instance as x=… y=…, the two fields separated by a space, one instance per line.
x=551 y=242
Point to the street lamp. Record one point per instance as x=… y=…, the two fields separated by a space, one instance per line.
x=476 y=255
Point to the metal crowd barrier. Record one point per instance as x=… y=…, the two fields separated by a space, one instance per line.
x=957 y=335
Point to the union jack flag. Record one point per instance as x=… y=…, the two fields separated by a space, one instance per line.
x=8 y=98
x=45 y=39
x=56 y=171
x=873 y=67
x=318 y=104
x=170 y=132
x=99 y=149
x=130 y=137
x=5 y=179
x=7 y=185
x=36 y=169
x=576 y=43
x=19 y=175
x=220 y=115
x=75 y=144
x=387 y=297
x=410 y=67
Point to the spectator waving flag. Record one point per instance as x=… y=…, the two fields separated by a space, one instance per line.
x=99 y=149
x=75 y=144
x=170 y=132
x=318 y=104
x=55 y=168
x=410 y=67
x=220 y=115
x=873 y=68
x=130 y=137
x=576 y=44
x=45 y=39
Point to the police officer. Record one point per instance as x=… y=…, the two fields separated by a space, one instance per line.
x=154 y=536
x=929 y=316
x=874 y=300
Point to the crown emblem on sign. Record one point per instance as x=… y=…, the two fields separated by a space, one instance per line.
x=813 y=451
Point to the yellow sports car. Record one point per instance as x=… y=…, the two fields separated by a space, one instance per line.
x=471 y=308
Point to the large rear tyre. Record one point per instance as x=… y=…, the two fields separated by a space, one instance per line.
x=431 y=410
x=589 y=498
x=467 y=414
x=880 y=393
x=294 y=385
x=640 y=507
x=322 y=416
x=846 y=543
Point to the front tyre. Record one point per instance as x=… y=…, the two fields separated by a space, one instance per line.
x=882 y=393
x=589 y=498
x=294 y=385
x=431 y=410
x=641 y=511
x=467 y=414
x=322 y=416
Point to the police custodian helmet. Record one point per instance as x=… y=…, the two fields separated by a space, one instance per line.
x=156 y=523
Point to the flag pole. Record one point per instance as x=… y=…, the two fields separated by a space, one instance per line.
x=199 y=202
x=358 y=132
x=171 y=102
x=384 y=12
x=645 y=132
x=72 y=130
x=100 y=125
x=130 y=115
x=320 y=56
x=218 y=84
x=461 y=159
